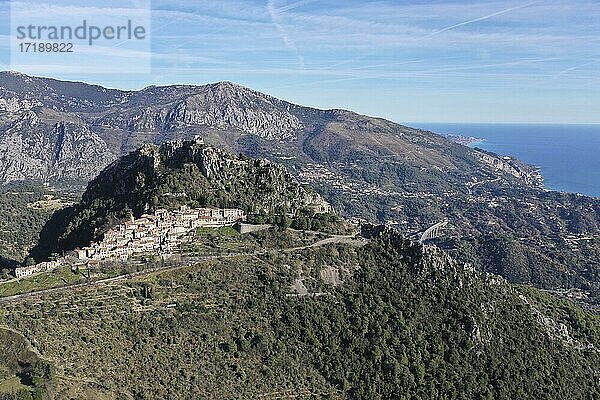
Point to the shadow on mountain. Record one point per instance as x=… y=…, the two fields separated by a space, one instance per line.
x=51 y=232
x=7 y=263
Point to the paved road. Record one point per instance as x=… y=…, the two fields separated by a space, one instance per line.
x=428 y=234
x=349 y=239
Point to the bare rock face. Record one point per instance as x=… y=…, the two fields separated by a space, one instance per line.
x=222 y=106
x=256 y=185
x=30 y=149
x=231 y=106
x=526 y=173
x=15 y=105
x=78 y=152
x=275 y=187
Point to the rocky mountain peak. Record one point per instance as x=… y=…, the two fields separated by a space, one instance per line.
x=225 y=105
x=228 y=85
x=202 y=175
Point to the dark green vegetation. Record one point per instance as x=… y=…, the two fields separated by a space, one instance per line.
x=304 y=220
x=366 y=167
x=183 y=173
x=226 y=240
x=23 y=375
x=24 y=209
x=406 y=323
x=548 y=239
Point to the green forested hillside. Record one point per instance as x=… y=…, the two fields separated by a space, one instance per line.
x=382 y=320
x=24 y=209
x=285 y=313
x=174 y=174
x=23 y=375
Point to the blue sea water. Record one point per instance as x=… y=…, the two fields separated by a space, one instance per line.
x=568 y=155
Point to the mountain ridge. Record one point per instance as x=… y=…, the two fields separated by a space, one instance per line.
x=500 y=217
x=178 y=174
x=182 y=111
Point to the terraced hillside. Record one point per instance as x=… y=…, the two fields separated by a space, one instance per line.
x=399 y=321
x=500 y=217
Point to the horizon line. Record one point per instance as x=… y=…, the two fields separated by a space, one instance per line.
x=392 y=119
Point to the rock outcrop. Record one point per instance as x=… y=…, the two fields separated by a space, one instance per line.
x=106 y=123
x=174 y=174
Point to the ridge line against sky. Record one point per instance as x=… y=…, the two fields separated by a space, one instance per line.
x=445 y=61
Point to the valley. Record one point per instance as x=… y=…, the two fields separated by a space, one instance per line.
x=367 y=168
x=373 y=260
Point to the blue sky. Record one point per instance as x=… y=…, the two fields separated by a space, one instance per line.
x=444 y=61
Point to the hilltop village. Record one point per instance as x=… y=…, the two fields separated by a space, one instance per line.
x=158 y=233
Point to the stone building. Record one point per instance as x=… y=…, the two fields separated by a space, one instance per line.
x=160 y=232
x=22 y=272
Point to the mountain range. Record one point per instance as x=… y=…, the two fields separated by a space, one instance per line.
x=500 y=218
x=61 y=131
x=314 y=306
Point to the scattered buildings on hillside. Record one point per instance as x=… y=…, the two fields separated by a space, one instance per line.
x=22 y=272
x=159 y=232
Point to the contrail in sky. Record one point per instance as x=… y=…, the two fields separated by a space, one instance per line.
x=481 y=18
x=287 y=40
x=576 y=67
x=295 y=5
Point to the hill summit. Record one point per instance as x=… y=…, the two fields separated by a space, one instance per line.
x=62 y=132
x=175 y=174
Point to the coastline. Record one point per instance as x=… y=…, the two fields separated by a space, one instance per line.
x=476 y=143
x=564 y=154
x=469 y=141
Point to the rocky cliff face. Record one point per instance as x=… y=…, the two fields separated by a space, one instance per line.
x=33 y=149
x=174 y=174
x=102 y=124
x=222 y=106
x=515 y=168
x=231 y=106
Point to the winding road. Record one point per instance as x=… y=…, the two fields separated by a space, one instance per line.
x=190 y=261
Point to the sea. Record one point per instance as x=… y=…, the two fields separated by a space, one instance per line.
x=568 y=155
